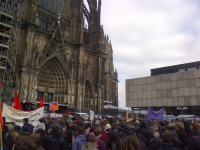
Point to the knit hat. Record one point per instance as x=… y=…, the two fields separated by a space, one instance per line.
x=108 y=126
x=69 y=121
x=17 y=128
x=41 y=126
x=25 y=128
x=148 y=134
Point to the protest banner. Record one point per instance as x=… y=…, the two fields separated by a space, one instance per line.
x=91 y=115
x=53 y=106
x=17 y=116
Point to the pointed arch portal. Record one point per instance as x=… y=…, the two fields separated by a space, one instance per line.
x=52 y=81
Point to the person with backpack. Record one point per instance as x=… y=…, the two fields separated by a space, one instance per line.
x=54 y=140
x=112 y=142
x=30 y=126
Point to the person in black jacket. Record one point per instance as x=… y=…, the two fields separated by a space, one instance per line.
x=30 y=126
x=145 y=139
x=182 y=135
x=54 y=141
x=167 y=142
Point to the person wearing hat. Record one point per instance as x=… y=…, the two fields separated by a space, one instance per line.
x=68 y=138
x=41 y=129
x=17 y=130
x=145 y=139
x=25 y=131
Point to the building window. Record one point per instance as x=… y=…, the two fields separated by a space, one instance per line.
x=45 y=3
x=50 y=25
x=192 y=69
x=49 y=4
x=41 y=22
x=54 y=6
x=41 y=2
x=58 y=7
x=181 y=70
x=62 y=10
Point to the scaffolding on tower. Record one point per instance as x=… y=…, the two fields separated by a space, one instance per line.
x=10 y=22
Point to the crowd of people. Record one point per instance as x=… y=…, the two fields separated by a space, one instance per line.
x=101 y=134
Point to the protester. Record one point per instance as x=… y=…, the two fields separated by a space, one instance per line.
x=101 y=144
x=91 y=144
x=24 y=143
x=112 y=141
x=30 y=126
x=54 y=140
x=37 y=138
x=131 y=143
x=79 y=139
x=25 y=130
x=41 y=129
x=182 y=135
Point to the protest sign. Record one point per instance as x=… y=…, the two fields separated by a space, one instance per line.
x=17 y=116
x=53 y=106
x=91 y=115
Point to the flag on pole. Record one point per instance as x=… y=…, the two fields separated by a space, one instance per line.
x=41 y=102
x=194 y=118
x=1 y=128
x=16 y=104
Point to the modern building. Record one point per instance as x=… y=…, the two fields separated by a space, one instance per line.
x=65 y=56
x=178 y=92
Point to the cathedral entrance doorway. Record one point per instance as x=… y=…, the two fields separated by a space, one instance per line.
x=88 y=100
x=52 y=81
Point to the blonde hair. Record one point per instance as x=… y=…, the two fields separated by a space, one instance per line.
x=11 y=130
x=179 y=125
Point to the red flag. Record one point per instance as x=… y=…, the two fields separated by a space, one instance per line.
x=41 y=102
x=1 y=119
x=16 y=104
x=194 y=118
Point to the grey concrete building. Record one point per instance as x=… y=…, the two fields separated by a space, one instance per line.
x=171 y=91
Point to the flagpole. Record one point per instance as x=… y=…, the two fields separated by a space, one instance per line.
x=1 y=137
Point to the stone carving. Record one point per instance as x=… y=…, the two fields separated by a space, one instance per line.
x=25 y=93
x=80 y=102
x=72 y=99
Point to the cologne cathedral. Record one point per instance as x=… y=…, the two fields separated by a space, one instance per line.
x=65 y=56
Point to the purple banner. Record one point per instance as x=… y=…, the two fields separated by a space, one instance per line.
x=155 y=114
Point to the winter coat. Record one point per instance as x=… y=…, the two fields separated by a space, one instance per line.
x=155 y=145
x=8 y=144
x=41 y=132
x=30 y=126
x=64 y=131
x=167 y=146
x=88 y=146
x=54 y=141
x=182 y=135
x=144 y=142
x=78 y=142
x=174 y=133
x=101 y=145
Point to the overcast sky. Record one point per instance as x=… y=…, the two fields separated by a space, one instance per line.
x=148 y=34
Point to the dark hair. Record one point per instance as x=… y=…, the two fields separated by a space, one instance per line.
x=55 y=127
x=131 y=143
x=37 y=138
x=25 y=143
x=26 y=120
x=113 y=138
x=92 y=139
x=97 y=131
x=79 y=130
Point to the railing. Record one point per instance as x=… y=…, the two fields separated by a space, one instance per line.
x=6 y=22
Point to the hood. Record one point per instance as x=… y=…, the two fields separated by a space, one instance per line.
x=88 y=146
x=142 y=138
x=167 y=145
x=80 y=137
x=41 y=126
x=58 y=124
x=56 y=135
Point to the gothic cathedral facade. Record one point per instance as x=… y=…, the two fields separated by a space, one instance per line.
x=62 y=59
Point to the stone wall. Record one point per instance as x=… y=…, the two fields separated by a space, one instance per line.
x=169 y=90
